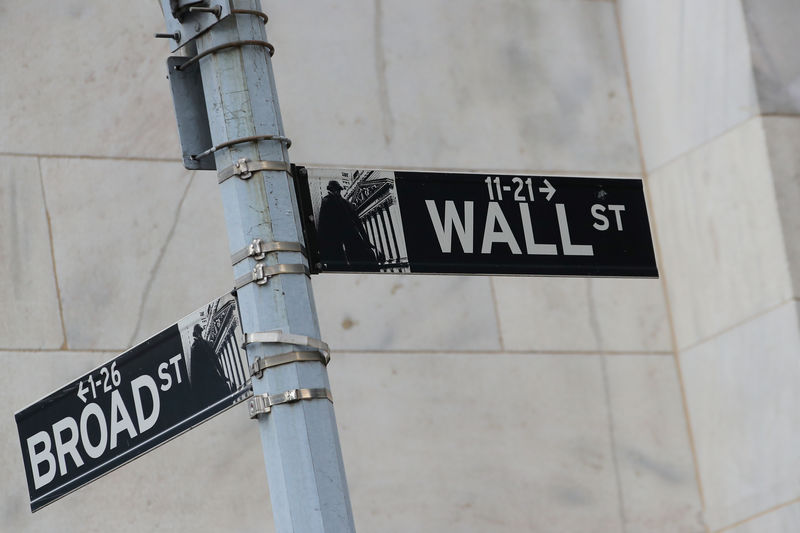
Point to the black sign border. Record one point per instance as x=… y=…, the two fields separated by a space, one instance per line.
x=308 y=223
x=127 y=456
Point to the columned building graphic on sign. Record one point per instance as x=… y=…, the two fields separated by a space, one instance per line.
x=221 y=334
x=372 y=194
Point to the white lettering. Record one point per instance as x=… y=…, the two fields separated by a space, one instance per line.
x=563 y=228
x=490 y=236
x=145 y=381
x=174 y=362
x=37 y=458
x=70 y=446
x=121 y=423
x=444 y=229
x=164 y=375
x=597 y=212
x=530 y=244
x=617 y=209
x=93 y=451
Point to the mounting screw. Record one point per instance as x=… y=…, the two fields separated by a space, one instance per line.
x=174 y=36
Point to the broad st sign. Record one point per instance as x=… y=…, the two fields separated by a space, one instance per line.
x=148 y=395
x=434 y=222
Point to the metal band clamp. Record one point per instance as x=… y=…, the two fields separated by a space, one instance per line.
x=250 y=139
x=278 y=336
x=234 y=44
x=261 y=404
x=258 y=250
x=262 y=363
x=262 y=273
x=260 y=14
x=243 y=169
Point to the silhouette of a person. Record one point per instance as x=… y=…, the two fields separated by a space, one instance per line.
x=343 y=241
x=206 y=375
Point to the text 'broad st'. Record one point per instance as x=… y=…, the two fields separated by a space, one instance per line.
x=139 y=400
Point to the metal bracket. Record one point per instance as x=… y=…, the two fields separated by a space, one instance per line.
x=243 y=169
x=262 y=404
x=186 y=19
x=262 y=363
x=299 y=176
x=258 y=250
x=262 y=273
x=190 y=111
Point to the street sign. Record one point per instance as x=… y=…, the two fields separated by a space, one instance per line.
x=150 y=394
x=367 y=220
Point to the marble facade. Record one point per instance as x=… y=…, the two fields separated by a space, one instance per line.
x=465 y=404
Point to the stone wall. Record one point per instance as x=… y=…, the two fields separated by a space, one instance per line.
x=716 y=89
x=467 y=404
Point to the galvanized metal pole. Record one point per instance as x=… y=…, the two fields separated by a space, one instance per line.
x=300 y=441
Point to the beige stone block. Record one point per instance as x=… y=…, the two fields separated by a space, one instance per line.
x=722 y=245
x=476 y=442
x=782 y=138
x=691 y=72
x=406 y=312
x=534 y=86
x=542 y=86
x=653 y=452
x=209 y=479
x=783 y=520
x=772 y=28
x=195 y=267
x=85 y=78
x=29 y=316
x=741 y=390
x=138 y=245
x=582 y=314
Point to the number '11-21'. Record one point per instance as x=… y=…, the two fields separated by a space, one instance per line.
x=520 y=188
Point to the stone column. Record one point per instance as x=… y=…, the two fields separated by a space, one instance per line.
x=716 y=92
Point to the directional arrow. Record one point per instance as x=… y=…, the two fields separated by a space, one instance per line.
x=549 y=189
x=82 y=391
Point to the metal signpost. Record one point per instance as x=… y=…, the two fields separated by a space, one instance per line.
x=284 y=223
x=168 y=384
x=231 y=71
